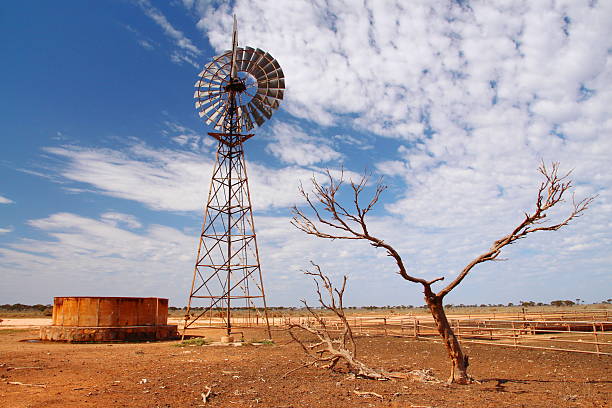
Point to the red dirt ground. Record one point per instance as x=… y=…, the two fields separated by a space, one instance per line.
x=113 y=375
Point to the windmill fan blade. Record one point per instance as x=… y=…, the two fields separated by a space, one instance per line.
x=257 y=60
x=206 y=91
x=267 y=102
x=260 y=105
x=268 y=65
x=216 y=65
x=276 y=84
x=214 y=105
x=242 y=60
x=258 y=119
x=216 y=75
x=239 y=54
x=246 y=119
x=258 y=67
x=226 y=60
x=239 y=115
x=203 y=93
x=246 y=59
x=215 y=114
x=271 y=102
x=271 y=93
x=205 y=82
x=255 y=56
x=276 y=74
x=264 y=88
x=244 y=122
x=267 y=59
x=271 y=67
x=205 y=99
x=211 y=72
x=211 y=108
x=200 y=104
x=218 y=116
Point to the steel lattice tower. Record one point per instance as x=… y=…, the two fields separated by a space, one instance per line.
x=233 y=93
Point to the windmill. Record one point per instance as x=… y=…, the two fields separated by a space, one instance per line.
x=235 y=92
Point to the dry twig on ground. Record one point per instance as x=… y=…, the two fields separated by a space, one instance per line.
x=206 y=395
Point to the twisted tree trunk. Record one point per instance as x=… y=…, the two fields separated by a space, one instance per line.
x=459 y=373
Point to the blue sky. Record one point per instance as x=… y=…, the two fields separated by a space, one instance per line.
x=104 y=163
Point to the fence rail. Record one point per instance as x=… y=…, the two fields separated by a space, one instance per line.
x=588 y=331
x=579 y=336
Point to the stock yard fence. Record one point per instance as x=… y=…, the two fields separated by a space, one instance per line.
x=569 y=332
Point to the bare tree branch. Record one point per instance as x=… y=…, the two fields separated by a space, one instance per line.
x=550 y=193
x=338 y=218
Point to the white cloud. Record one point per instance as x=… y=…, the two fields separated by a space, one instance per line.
x=115 y=219
x=476 y=96
x=161 y=179
x=86 y=256
x=399 y=70
x=4 y=200
x=100 y=257
x=187 y=137
x=171 y=180
x=5 y=230
x=358 y=142
x=292 y=145
x=187 y=50
x=471 y=99
x=144 y=42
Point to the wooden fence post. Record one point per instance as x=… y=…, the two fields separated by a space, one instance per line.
x=596 y=339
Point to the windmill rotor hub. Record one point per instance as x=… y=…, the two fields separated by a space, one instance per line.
x=235 y=85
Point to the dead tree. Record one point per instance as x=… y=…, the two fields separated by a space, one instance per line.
x=334 y=220
x=330 y=349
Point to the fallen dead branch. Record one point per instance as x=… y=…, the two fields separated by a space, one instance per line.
x=298 y=368
x=27 y=385
x=424 y=375
x=23 y=368
x=329 y=350
x=367 y=394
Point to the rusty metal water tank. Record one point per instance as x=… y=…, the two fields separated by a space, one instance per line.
x=87 y=319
